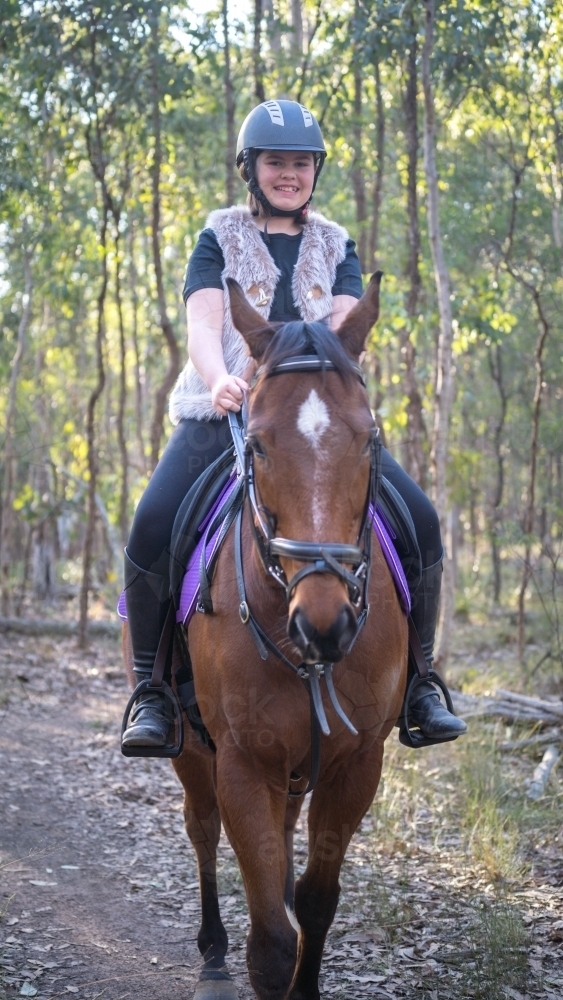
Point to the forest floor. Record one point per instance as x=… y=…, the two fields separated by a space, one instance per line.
x=453 y=887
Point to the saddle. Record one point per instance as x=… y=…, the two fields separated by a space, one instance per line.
x=201 y=525
x=208 y=510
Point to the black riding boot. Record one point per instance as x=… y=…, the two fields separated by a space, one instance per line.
x=428 y=713
x=147 y=596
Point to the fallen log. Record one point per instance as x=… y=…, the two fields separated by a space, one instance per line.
x=551 y=707
x=542 y=772
x=511 y=710
x=531 y=741
x=35 y=626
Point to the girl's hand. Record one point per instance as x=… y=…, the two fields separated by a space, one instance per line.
x=227 y=393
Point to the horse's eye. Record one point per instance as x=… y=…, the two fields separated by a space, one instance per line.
x=257 y=448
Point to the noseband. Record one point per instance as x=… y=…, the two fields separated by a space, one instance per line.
x=321 y=557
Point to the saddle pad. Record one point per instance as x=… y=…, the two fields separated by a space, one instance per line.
x=190 y=586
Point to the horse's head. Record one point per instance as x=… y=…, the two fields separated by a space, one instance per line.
x=311 y=438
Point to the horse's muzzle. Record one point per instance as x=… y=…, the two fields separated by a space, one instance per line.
x=322 y=647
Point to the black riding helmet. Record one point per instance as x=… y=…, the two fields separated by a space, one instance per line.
x=278 y=125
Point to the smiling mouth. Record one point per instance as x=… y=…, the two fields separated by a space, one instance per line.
x=287 y=190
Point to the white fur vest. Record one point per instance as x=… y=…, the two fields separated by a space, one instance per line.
x=247 y=259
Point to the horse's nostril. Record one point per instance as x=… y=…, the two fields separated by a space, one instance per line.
x=300 y=630
x=329 y=646
x=345 y=628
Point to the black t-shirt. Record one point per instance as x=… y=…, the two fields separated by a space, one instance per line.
x=207 y=263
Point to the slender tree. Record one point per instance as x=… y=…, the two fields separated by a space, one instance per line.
x=173 y=368
x=229 y=110
x=357 y=172
x=377 y=195
x=414 y=458
x=257 y=63
x=121 y=430
x=9 y=422
x=495 y=519
x=94 y=139
x=444 y=386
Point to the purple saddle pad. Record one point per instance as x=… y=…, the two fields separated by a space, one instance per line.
x=190 y=586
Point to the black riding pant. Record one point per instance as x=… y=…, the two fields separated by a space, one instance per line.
x=194 y=445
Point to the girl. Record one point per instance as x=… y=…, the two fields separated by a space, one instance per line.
x=292 y=264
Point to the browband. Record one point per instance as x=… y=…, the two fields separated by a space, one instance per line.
x=305 y=363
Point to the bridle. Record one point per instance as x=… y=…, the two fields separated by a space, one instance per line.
x=321 y=557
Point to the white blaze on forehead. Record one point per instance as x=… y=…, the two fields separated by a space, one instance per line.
x=313 y=418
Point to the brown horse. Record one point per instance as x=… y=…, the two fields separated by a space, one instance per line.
x=310 y=435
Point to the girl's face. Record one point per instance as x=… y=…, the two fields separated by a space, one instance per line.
x=286 y=177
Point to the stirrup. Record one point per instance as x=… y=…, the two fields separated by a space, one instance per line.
x=413 y=738
x=170 y=749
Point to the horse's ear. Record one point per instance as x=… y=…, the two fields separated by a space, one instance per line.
x=251 y=325
x=354 y=329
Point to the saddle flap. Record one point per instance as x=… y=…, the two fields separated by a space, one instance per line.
x=399 y=523
x=193 y=515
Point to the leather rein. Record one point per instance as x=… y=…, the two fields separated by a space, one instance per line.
x=320 y=557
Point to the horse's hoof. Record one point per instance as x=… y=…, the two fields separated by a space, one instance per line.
x=215 y=985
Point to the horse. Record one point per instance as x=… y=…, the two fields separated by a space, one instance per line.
x=309 y=453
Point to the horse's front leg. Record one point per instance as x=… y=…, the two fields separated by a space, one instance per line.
x=337 y=808
x=292 y=811
x=203 y=826
x=254 y=815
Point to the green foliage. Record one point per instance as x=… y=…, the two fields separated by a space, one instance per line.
x=76 y=84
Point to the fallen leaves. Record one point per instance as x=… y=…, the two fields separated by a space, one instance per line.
x=28 y=990
x=410 y=920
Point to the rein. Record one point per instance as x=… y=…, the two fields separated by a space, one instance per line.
x=324 y=557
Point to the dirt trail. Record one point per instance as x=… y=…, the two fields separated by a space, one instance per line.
x=99 y=887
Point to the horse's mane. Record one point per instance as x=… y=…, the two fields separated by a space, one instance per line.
x=298 y=337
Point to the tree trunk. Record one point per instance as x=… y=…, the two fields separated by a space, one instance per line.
x=273 y=27
x=91 y=433
x=25 y=571
x=257 y=52
x=444 y=387
x=230 y=154
x=297 y=26
x=6 y=511
x=495 y=521
x=414 y=459
x=43 y=563
x=378 y=395
x=358 y=180
x=531 y=493
x=133 y=282
x=121 y=435
x=173 y=350
x=543 y=334
x=303 y=72
x=378 y=185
